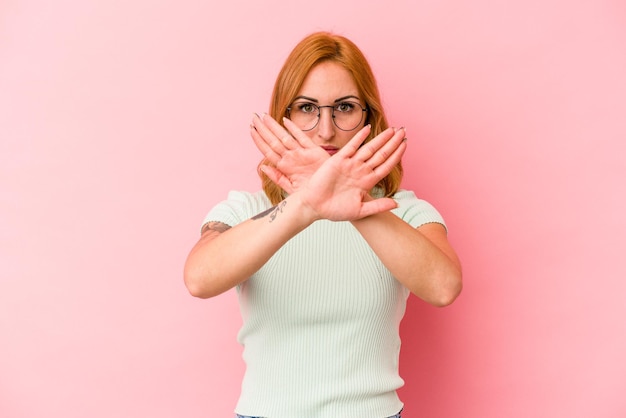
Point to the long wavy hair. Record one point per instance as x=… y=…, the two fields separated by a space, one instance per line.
x=321 y=47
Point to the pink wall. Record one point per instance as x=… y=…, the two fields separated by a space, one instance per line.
x=121 y=123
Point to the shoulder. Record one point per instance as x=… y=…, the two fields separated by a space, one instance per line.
x=414 y=210
x=406 y=198
x=238 y=207
x=258 y=197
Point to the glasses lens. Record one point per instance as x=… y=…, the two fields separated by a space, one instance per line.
x=305 y=115
x=348 y=115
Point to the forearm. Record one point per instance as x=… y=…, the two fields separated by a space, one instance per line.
x=217 y=264
x=424 y=262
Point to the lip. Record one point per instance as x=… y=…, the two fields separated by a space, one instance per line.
x=330 y=150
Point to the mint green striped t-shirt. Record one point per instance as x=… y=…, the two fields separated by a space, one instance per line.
x=321 y=319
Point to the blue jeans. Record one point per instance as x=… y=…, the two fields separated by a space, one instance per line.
x=398 y=415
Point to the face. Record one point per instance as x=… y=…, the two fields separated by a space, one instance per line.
x=330 y=84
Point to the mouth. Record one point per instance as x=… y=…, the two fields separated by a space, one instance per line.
x=330 y=150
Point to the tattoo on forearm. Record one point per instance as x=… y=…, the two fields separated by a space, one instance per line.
x=272 y=212
x=215 y=226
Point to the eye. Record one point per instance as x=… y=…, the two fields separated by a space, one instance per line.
x=306 y=107
x=345 y=107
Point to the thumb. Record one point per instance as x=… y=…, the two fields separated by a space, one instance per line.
x=377 y=206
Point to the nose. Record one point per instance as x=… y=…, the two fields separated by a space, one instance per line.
x=326 y=126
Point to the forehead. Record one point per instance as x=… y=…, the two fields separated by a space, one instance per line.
x=328 y=81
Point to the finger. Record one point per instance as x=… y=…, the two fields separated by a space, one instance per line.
x=267 y=136
x=394 y=159
x=367 y=151
x=382 y=170
x=385 y=149
x=279 y=132
x=263 y=146
x=353 y=144
x=377 y=206
x=302 y=138
x=277 y=177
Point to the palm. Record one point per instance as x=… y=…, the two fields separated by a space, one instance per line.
x=336 y=191
x=339 y=189
x=298 y=166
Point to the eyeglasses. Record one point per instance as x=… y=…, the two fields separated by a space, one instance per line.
x=347 y=116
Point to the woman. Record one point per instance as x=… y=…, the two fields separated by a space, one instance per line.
x=325 y=256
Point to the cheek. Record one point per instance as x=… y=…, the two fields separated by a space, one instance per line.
x=311 y=135
x=342 y=137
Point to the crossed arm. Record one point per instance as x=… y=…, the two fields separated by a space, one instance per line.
x=324 y=187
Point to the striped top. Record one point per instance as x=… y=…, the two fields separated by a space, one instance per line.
x=321 y=319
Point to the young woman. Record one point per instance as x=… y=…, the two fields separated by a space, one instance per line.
x=325 y=255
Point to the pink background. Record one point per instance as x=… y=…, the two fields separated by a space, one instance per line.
x=123 y=122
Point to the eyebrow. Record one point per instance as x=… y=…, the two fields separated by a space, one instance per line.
x=341 y=99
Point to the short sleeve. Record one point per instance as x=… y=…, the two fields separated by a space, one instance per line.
x=238 y=207
x=416 y=212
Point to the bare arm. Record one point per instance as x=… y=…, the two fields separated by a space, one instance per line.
x=225 y=257
x=421 y=259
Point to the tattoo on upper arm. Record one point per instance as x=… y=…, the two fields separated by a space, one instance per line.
x=215 y=226
x=272 y=212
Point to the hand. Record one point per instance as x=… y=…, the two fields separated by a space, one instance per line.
x=339 y=189
x=294 y=157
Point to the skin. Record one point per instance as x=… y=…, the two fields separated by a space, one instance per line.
x=324 y=186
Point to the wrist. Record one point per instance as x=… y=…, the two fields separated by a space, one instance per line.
x=305 y=212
